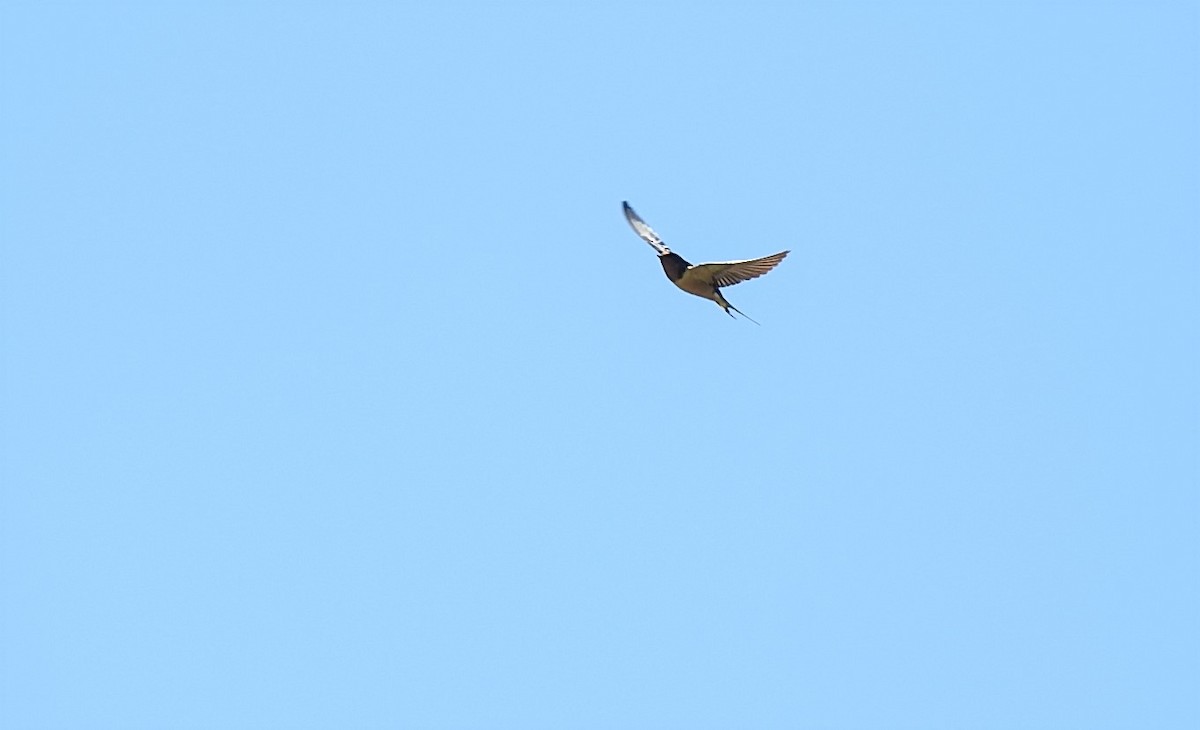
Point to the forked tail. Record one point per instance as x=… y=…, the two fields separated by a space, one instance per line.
x=755 y=321
x=729 y=306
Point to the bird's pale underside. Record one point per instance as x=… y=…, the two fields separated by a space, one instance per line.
x=703 y=280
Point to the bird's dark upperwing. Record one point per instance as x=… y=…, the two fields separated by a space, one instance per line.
x=646 y=232
x=728 y=273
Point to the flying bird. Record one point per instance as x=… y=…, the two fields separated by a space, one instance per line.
x=703 y=280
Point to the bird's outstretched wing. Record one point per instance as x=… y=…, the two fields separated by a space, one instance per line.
x=646 y=232
x=728 y=273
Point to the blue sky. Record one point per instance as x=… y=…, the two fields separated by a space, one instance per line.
x=336 y=391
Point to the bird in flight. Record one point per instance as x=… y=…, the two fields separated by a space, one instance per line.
x=703 y=280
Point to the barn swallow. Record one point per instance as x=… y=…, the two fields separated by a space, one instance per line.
x=703 y=280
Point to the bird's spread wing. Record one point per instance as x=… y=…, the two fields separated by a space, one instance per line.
x=646 y=232
x=728 y=273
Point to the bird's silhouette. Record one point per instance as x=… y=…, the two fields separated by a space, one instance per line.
x=703 y=280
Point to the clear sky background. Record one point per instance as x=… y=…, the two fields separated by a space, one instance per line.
x=337 y=393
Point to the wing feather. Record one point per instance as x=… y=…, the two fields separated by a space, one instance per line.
x=641 y=228
x=728 y=273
